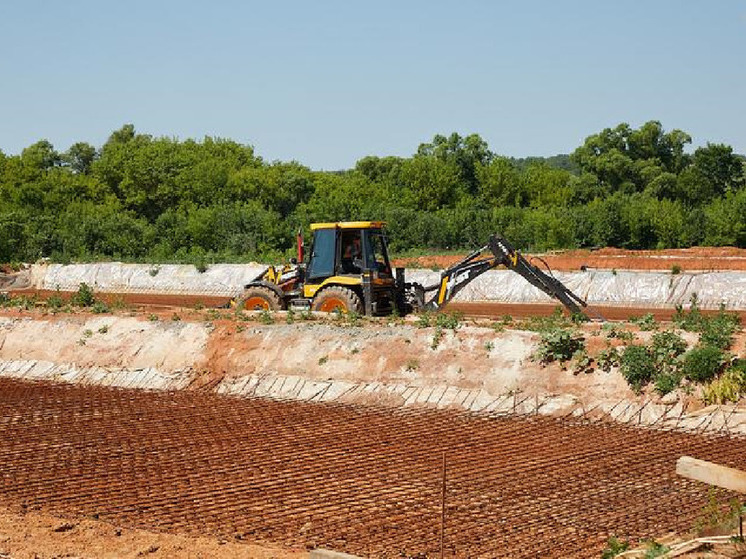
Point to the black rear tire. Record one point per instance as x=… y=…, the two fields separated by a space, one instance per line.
x=259 y=298
x=337 y=298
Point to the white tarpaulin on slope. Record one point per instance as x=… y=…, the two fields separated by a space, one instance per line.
x=218 y=279
x=625 y=288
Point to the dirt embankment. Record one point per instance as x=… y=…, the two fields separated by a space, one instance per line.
x=345 y=361
x=476 y=367
x=685 y=259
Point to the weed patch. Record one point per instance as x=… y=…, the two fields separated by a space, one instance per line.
x=266 y=317
x=559 y=344
x=83 y=297
x=646 y=323
x=607 y=359
x=728 y=387
x=549 y=323
x=450 y=321
x=614 y=547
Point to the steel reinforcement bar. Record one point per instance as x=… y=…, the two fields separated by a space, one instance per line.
x=363 y=480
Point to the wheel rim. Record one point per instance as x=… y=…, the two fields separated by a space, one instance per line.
x=256 y=304
x=332 y=304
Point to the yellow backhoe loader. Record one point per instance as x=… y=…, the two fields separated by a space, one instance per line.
x=348 y=270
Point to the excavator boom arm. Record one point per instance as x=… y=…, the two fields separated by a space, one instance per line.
x=458 y=276
x=513 y=260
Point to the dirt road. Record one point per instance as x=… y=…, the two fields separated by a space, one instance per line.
x=361 y=480
x=155 y=301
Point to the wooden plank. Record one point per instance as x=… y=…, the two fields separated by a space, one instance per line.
x=329 y=554
x=714 y=474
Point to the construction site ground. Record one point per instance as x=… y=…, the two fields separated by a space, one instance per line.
x=88 y=470
x=39 y=535
x=359 y=479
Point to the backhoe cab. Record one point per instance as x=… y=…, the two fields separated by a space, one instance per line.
x=348 y=270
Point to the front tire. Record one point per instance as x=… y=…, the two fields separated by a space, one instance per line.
x=338 y=299
x=260 y=299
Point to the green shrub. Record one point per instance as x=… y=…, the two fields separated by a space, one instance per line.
x=702 y=363
x=690 y=320
x=615 y=331
x=55 y=302
x=614 y=547
x=83 y=297
x=668 y=344
x=718 y=331
x=266 y=317
x=547 y=323
x=424 y=319
x=450 y=321
x=608 y=358
x=99 y=307
x=637 y=365
x=655 y=549
x=646 y=322
x=437 y=337
x=666 y=382
x=579 y=318
x=559 y=345
x=666 y=348
x=582 y=362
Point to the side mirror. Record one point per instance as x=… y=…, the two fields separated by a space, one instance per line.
x=293 y=261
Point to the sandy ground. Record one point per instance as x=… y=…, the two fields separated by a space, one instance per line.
x=36 y=535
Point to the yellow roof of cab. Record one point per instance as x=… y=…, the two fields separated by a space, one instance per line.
x=349 y=225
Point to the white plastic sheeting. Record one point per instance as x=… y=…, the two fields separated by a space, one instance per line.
x=145 y=378
x=624 y=288
x=218 y=279
x=606 y=287
x=298 y=388
x=479 y=400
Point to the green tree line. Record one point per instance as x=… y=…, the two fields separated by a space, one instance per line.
x=138 y=197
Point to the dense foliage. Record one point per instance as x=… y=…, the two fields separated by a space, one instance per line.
x=666 y=360
x=140 y=197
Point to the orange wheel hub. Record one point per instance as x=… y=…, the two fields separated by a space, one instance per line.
x=256 y=304
x=332 y=304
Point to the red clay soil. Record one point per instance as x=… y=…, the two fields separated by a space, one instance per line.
x=159 y=303
x=687 y=259
x=35 y=535
x=362 y=480
x=140 y=299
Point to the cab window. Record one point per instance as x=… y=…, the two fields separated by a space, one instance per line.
x=351 y=259
x=323 y=251
x=376 y=257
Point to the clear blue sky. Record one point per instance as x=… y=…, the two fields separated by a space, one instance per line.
x=328 y=82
